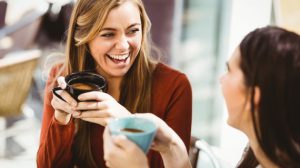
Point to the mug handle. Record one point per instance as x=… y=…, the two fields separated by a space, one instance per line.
x=57 y=95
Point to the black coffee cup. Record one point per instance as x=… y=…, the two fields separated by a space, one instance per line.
x=82 y=82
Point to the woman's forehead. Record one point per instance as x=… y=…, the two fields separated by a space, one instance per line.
x=127 y=13
x=235 y=57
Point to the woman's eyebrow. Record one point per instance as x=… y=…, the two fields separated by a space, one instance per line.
x=114 y=29
x=132 y=25
x=108 y=29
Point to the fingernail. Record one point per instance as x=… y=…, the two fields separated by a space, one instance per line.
x=63 y=86
x=76 y=113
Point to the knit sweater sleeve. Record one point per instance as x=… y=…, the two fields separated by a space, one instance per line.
x=55 y=149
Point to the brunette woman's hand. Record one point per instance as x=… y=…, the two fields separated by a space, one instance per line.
x=165 y=137
x=63 y=109
x=168 y=144
x=119 y=152
x=99 y=107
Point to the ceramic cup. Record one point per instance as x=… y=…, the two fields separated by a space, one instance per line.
x=82 y=82
x=139 y=130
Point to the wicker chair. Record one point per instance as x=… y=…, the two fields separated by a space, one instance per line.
x=16 y=74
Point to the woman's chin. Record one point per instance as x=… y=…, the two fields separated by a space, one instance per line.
x=231 y=123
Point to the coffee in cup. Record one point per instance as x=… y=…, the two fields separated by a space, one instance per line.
x=133 y=130
x=139 y=130
x=84 y=86
x=82 y=82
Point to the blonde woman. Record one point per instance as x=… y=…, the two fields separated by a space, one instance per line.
x=111 y=38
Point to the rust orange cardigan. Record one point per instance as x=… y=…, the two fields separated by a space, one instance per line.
x=171 y=100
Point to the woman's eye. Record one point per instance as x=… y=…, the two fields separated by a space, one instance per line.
x=107 y=35
x=133 y=31
x=227 y=67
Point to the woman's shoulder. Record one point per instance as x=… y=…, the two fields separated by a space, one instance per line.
x=54 y=65
x=56 y=70
x=166 y=75
x=166 y=72
x=52 y=73
x=168 y=84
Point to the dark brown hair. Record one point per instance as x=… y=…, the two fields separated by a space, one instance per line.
x=270 y=59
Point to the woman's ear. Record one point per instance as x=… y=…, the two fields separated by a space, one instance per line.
x=256 y=96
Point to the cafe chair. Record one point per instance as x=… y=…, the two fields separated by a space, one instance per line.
x=22 y=34
x=16 y=76
x=3 y=7
x=201 y=154
x=16 y=73
x=193 y=152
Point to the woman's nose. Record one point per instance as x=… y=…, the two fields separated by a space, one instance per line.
x=122 y=43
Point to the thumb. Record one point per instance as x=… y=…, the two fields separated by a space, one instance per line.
x=61 y=82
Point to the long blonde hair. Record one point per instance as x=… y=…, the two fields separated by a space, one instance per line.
x=87 y=19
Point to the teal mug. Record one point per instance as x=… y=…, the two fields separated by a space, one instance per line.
x=139 y=130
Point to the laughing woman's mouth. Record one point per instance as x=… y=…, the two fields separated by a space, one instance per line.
x=118 y=58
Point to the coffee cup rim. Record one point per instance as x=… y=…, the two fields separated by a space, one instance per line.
x=70 y=77
x=153 y=128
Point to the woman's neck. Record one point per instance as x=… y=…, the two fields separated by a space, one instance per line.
x=114 y=87
x=113 y=83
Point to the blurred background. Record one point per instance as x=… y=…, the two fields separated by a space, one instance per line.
x=195 y=36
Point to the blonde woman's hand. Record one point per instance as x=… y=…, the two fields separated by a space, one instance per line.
x=119 y=152
x=99 y=107
x=63 y=109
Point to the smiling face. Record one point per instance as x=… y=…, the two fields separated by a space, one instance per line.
x=118 y=43
x=235 y=93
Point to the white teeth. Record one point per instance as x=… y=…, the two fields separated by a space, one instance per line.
x=119 y=57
